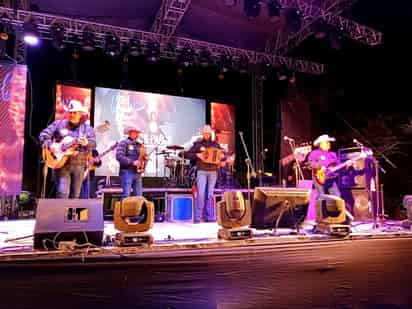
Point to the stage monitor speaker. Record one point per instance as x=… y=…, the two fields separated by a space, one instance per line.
x=288 y=206
x=358 y=203
x=179 y=207
x=79 y=220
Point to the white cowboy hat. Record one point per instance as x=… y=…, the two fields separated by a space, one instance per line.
x=127 y=130
x=76 y=106
x=323 y=138
x=207 y=129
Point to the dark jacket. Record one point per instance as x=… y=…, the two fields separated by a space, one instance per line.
x=191 y=155
x=128 y=151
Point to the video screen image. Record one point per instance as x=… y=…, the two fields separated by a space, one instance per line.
x=223 y=122
x=13 y=80
x=165 y=121
x=65 y=93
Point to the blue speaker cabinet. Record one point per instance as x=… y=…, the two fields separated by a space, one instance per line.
x=179 y=207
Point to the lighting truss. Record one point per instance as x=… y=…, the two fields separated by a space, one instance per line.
x=169 y=16
x=74 y=29
x=328 y=10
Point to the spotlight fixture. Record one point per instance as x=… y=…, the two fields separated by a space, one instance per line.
x=134 y=47
x=293 y=20
x=320 y=29
x=187 y=56
x=112 y=45
x=205 y=57
x=31 y=32
x=57 y=35
x=88 y=39
x=230 y=3
x=242 y=64
x=226 y=62
x=252 y=8
x=5 y=27
x=153 y=51
x=273 y=9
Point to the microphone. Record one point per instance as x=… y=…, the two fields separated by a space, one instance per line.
x=357 y=142
x=289 y=139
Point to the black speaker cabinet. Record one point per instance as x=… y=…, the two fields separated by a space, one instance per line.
x=359 y=203
x=78 y=220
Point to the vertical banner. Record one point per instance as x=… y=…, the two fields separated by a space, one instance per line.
x=65 y=93
x=223 y=121
x=12 y=111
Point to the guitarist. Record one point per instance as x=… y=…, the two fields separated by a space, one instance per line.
x=69 y=177
x=130 y=154
x=321 y=159
x=88 y=186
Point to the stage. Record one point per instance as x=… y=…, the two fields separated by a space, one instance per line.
x=188 y=267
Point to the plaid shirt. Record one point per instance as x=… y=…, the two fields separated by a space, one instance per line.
x=62 y=128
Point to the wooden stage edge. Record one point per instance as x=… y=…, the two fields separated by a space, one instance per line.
x=20 y=253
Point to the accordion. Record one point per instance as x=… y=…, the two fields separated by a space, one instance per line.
x=212 y=155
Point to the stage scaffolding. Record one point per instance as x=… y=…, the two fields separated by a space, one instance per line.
x=74 y=29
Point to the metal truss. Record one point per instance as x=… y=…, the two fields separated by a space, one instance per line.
x=354 y=30
x=74 y=29
x=257 y=121
x=169 y=16
x=312 y=11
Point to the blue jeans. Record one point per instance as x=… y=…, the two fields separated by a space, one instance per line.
x=130 y=180
x=205 y=181
x=69 y=181
x=88 y=189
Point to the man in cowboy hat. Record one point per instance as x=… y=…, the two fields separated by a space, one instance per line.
x=206 y=176
x=128 y=152
x=69 y=178
x=321 y=159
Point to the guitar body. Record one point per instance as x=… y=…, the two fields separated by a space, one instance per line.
x=143 y=158
x=57 y=155
x=321 y=175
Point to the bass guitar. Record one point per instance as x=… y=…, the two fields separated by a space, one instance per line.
x=91 y=161
x=324 y=173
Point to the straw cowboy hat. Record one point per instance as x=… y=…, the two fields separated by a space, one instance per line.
x=323 y=138
x=127 y=130
x=76 y=106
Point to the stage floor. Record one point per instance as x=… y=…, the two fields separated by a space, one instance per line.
x=15 y=237
x=188 y=267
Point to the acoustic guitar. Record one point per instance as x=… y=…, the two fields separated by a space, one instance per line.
x=58 y=153
x=324 y=173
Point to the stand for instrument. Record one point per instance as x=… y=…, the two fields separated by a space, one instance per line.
x=250 y=171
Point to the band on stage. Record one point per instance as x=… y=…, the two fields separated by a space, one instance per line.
x=69 y=148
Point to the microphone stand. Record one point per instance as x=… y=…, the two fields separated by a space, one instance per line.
x=250 y=171
x=298 y=169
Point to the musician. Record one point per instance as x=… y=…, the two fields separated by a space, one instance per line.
x=206 y=175
x=69 y=178
x=129 y=153
x=322 y=158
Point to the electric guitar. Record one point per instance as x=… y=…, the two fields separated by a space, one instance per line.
x=92 y=160
x=324 y=173
x=143 y=158
x=58 y=153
